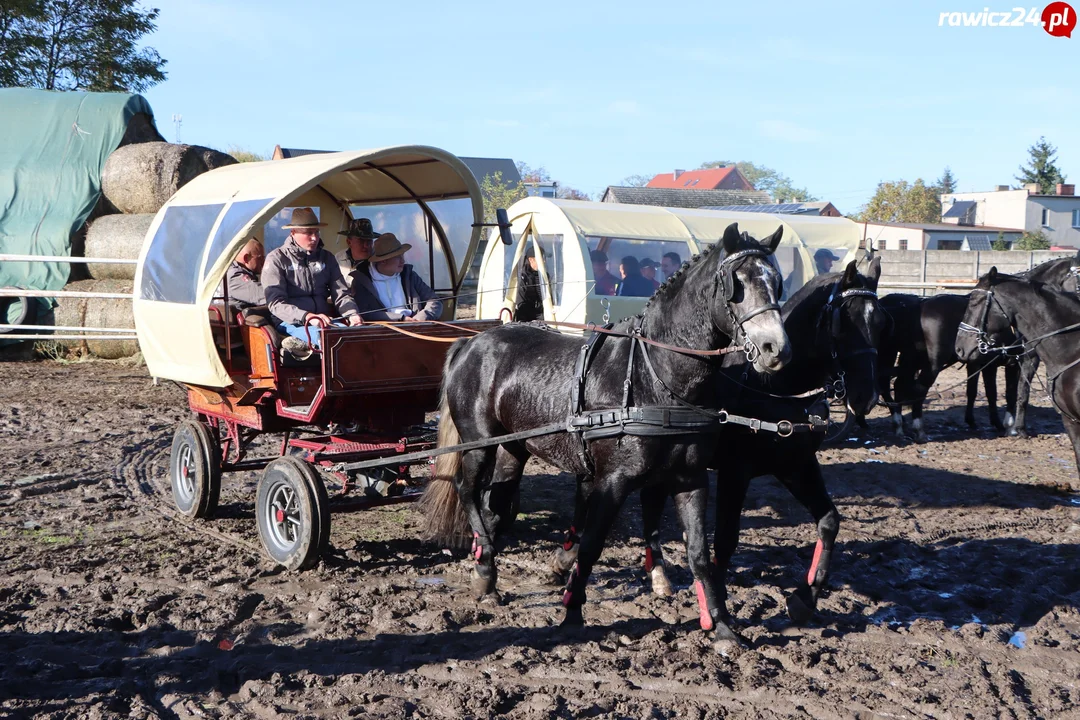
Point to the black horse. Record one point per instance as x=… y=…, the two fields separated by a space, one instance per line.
x=834 y=325
x=520 y=377
x=1046 y=317
x=917 y=346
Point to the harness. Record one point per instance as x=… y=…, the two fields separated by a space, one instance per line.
x=830 y=312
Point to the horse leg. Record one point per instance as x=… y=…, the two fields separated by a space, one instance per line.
x=808 y=487
x=605 y=500
x=503 y=493
x=973 y=371
x=729 y=506
x=1073 y=429
x=921 y=388
x=690 y=505
x=653 y=498
x=567 y=554
x=1029 y=365
x=475 y=465
x=989 y=378
x=1012 y=381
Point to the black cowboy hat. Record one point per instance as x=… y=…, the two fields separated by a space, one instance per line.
x=361 y=228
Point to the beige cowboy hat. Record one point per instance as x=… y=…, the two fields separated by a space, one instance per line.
x=303 y=218
x=388 y=246
x=360 y=228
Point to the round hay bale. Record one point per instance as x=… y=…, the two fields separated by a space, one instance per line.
x=141 y=178
x=213 y=158
x=98 y=313
x=116 y=236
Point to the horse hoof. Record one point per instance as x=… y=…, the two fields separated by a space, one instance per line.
x=922 y=438
x=727 y=648
x=482 y=585
x=798 y=609
x=573 y=618
x=557 y=576
x=660 y=584
x=491 y=599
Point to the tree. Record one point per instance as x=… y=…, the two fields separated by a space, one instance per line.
x=568 y=193
x=1036 y=240
x=900 y=202
x=1000 y=243
x=78 y=45
x=636 y=180
x=243 y=155
x=766 y=179
x=531 y=174
x=1041 y=168
x=946 y=184
x=499 y=193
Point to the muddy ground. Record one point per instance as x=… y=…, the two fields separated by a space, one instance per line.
x=955 y=593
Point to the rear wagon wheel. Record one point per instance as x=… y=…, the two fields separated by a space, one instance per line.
x=292 y=511
x=195 y=470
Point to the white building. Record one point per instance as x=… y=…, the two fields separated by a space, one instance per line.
x=542 y=189
x=1057 y=215
x=935 y=236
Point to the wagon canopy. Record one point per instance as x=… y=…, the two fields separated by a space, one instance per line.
x=423 y=194
x=567 y=231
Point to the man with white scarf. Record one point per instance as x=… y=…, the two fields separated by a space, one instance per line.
x=388 y=289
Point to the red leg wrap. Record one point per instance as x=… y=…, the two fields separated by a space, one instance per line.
x=648 y=560
x=703 y=606
x=814 y=563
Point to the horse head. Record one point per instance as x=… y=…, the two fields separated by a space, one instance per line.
x=987 y=323
x=745 y=301
x=852 y=323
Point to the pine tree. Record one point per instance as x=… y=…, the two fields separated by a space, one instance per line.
x=947 y=182
x=1041 y=168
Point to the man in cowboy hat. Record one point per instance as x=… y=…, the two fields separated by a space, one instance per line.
x=245 y=288
x=388 y=289
x=360 y=237
x=300 y=279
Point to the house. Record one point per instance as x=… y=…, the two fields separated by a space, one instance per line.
x=726 y=177
x=480 y=167
x=821 y=209
x=542 y=189
x=1057 y=215
x=670 y=197
x=935 y=236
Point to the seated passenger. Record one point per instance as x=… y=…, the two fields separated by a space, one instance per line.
x=633 y=284
x=648 y=271
x=606 y=283
x=359 y=237
x=670 y=264
x=300 y=278
x=530 y=303
x=245 y=288
x=388 y=289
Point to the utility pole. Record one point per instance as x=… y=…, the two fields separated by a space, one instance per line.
x=177 y=120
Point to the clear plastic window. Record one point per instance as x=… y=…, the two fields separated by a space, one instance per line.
x=408 y=222
x=171 y=269
x=237 y=216
x=275 y=234
x=641 y=250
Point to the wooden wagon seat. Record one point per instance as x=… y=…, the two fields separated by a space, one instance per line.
x=260 y=328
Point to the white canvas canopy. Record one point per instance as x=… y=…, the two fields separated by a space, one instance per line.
x=565 y=231
x=414 y=191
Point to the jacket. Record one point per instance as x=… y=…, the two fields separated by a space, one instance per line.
x=245 y=288
x=346 y=263
x=530 y=303
x=418 y=296
x=636 y=286
x=298 y=282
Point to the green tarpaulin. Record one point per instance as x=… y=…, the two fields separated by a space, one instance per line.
x=53 y=146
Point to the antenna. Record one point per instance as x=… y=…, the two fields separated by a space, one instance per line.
x=178 y=120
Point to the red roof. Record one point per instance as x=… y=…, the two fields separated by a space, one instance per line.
x=692 y=179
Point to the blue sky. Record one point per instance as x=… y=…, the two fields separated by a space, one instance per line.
x=838 y=96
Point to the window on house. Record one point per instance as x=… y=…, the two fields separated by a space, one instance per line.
x=949 y=244
x=1046 y=217
x=862 y=244
x=883 y=245
x=902 y=244
x=1076 y=218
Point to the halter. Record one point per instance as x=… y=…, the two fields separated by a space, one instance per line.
x=986 y=343
x=725 y=275
x=837 y=389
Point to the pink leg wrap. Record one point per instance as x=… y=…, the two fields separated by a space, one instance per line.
x=814 y=563
x=568 y=593
x=477 y=550
x=648 y=560
x=703 y=606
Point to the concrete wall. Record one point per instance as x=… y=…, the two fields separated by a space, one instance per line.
x=949 y=266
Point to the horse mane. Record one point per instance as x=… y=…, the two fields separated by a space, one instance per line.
x=683 y=269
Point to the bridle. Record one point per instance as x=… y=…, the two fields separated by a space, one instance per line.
x=725 y=276
x=986 y=343
x=830 y=312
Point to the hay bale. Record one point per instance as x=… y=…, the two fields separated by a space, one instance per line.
x=141 y=178
x=214 y=159
x=99 y=313
x=116 y=236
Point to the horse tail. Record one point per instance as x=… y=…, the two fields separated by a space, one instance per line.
x=445 y=521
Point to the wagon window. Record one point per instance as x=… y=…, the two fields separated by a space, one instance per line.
x=171 y=269
x=618 y=248
x=236 y=217
x=552 y=246
x=456 y=218
x=408 y=222
x=274 y=234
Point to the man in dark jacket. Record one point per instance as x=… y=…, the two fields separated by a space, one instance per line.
x=388 y=289
x=633 y=283
x=300 y=279
x=606 y=283
x=245 y=288
x=530 y=302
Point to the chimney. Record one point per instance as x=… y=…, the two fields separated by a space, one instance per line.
x=1002 y=188
x=1032 y=188
x=677 y=174
x=1063 y=189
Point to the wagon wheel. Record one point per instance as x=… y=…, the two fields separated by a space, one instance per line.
x=195 y=470
x=292 y=510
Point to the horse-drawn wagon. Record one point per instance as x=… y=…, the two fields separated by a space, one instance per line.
x=562 y=234
x=376 y=380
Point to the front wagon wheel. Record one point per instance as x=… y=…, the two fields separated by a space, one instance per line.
x=195 y=470
x=293 y=514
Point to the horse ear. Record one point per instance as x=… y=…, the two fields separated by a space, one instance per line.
x=773 y=241
x=731 y=238
x=873 y=273
x=992 y=275
x=850 y=272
